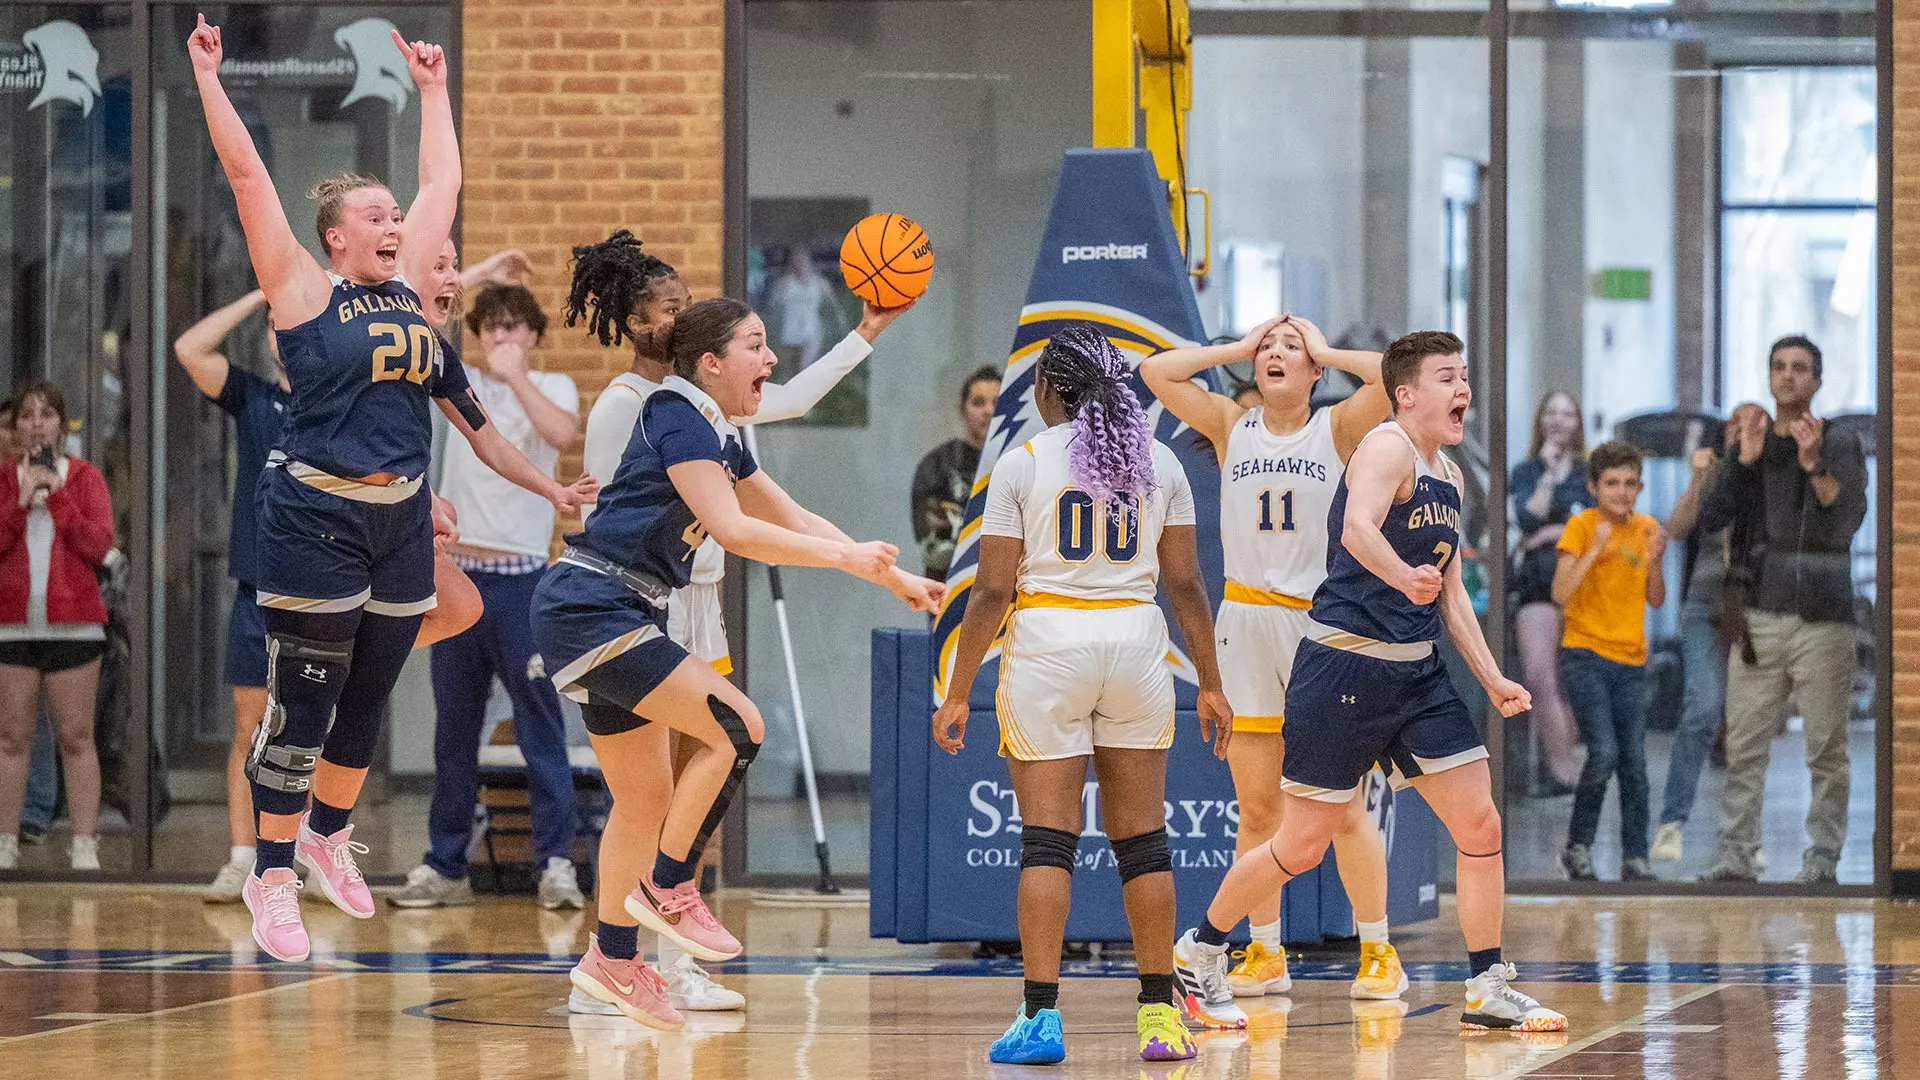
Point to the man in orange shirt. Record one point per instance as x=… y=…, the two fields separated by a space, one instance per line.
x=1609 y=573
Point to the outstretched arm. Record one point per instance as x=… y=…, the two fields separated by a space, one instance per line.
x=1170 y=376
x=430 y=218
x=762 y=498
x=295 y=285
x=784 y=401
x=198 y=349
x=503 y=457
x=704 y=486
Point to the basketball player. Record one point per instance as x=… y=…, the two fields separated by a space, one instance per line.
x=599 y=619
x=1084 y=520
x=1368 y=685
x=345 y=538
x=1280 y=460
x=623 y=291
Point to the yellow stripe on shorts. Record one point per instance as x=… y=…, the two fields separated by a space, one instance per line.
x=1247 y=594
x=1056 y=600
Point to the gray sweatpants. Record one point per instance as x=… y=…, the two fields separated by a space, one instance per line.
x=1813 y=662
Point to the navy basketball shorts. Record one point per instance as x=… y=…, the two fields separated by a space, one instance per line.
x=1347 y=712
x=604 y=647
x=246 y=640
x=324 y=552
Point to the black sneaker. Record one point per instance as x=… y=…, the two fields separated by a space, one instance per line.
x=1578 y=862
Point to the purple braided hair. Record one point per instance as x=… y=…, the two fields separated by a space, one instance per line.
x=1111 y=457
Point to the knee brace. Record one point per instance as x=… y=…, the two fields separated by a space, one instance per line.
x=1041 y=846
x=1143 y=854
x=304 y=680
x=744 y=750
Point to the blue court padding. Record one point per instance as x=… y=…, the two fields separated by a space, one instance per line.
x=946 y=830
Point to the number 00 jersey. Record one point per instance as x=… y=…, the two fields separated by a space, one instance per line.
x=1074 y=548
x=1274 y=494
x=361 y=374
x=1424 y=531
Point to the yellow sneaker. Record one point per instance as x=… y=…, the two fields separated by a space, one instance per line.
x=1259 y=972
x=1163 y=1034
x=1381 y=977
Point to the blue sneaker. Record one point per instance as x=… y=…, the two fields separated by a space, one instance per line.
x=1031 y=1040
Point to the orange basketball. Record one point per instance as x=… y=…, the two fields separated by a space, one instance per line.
x=886 y=260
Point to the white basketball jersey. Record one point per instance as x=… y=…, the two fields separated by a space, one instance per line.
x=1275 y=491
x=1074 y=548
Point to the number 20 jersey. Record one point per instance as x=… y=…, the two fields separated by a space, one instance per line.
x=361 y=373
x=1075 y=548
x=1274 y=494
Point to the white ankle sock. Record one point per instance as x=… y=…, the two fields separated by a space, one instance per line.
x=240 y=853
x=1268 y=934
x=1372 y=932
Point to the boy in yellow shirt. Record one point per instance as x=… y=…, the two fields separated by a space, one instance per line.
x=1608 y=574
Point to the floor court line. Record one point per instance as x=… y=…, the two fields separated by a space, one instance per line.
x=121 y=1018
x=1533 y=1069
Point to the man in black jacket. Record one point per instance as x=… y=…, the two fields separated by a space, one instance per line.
x=1802 y=492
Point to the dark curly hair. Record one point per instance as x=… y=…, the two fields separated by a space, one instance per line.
x=1111 y=457
x=612 y=281
x=507 y=305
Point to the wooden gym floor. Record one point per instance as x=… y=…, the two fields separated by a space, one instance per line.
x=119 y=982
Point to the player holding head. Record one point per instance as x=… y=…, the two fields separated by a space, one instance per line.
x=600 y=618
x=1080 y=525
x=346 y=536
x=626 y=293
x=1368 y=684
x=1280 y=462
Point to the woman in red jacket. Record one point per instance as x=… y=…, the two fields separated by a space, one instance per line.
x=56 y=526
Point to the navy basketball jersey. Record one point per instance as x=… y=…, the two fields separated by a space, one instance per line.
x=361 y=374
x=1424 y=531
x=640 y=520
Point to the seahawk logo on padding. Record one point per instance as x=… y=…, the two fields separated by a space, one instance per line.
x=69 y=64
x=380 y=71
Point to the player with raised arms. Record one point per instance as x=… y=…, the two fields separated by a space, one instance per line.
x=628 y=294
x=1369 y=685
x=600 y=618
x=346 y=536
x=1081 y=524
x=1280 y=461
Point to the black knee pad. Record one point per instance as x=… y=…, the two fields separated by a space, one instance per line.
x=1143 y=854
x=305 y=678
x=744 y=750
x=1041 y=846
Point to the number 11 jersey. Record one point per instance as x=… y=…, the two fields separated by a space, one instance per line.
x=1275 y=491
x=361 y=372
x=1077 y=550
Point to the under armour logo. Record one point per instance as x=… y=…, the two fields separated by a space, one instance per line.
x=380 y=71
x=69 y=64
x=317 y=674
x=536 y=668
x=1347 y=699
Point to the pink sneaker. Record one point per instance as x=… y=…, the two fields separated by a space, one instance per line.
x=330 y=860
x=680 y=914
x=275 y=902
x=632 y=986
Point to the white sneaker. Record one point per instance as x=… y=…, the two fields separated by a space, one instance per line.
x=691 y=989
x=1668 y=842
x=84 y=853
x=587 y=1005
x=425 y=888
x=9 y=851
x=1492 y=1002
x=1205 y=994
x=559 y=887
x=226 y=885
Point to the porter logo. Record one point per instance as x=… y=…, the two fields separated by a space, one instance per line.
x=380 y=71
x=59 y=61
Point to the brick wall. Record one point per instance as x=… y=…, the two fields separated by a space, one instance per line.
x=581 y=118
x=1906 y=434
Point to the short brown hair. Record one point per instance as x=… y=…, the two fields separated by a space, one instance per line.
x=1613 y=454
x=507 y=305
x=1400 y=366
x=330 y=194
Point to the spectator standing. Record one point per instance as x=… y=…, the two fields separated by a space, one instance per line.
x=1548 y=488
x=56 y=527
x=943 y=481
x=1792 y=576
x=1609 y=573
